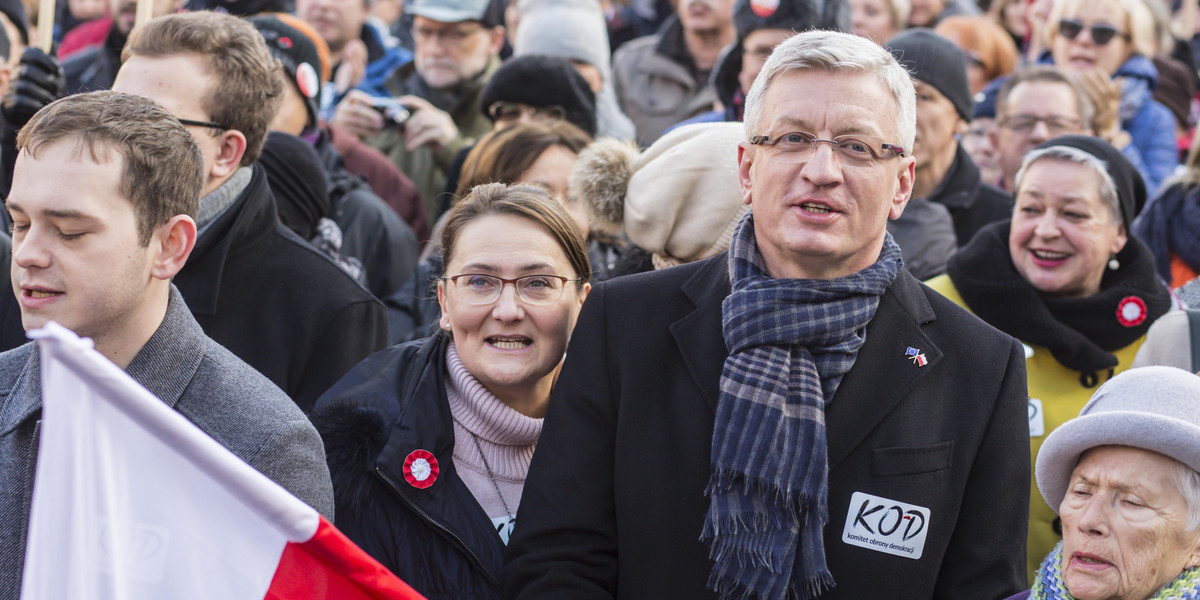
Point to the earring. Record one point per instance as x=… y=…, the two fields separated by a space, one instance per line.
x=1113 y=264
x=446 y=324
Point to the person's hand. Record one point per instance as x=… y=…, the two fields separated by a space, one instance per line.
x=39 y=82
x=428 y=126
x=356 y=114
x=353 y=66
x=1105 y=94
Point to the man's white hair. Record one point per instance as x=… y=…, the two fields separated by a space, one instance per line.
x=836 y=52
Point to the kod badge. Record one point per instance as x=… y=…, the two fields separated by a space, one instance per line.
x=887 y=526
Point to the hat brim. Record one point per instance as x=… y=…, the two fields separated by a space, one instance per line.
x=444 y=14
x=1060 y=452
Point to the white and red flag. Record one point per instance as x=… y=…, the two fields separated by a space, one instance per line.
x=133 y=501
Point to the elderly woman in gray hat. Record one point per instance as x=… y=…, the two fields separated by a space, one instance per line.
x=1123 y=476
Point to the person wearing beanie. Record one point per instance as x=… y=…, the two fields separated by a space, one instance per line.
x=979 y=140
x=666 y=78
x=577 y=31
x=1068 y=279
x=360 y=225
x=96 y=68
x=457 y=47
x=760 y=27
x=362 y=52
x=945 y=173
x=1123 y=478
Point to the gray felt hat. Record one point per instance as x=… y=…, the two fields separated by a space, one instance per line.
x=1153 y=408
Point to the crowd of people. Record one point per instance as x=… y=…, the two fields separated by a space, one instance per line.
x=782 y=299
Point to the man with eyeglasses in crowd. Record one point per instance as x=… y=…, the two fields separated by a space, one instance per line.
x=1033 y=105
x=457 y=47
x=798 y=417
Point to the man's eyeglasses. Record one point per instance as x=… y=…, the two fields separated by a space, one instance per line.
x=207 y=124
x=1055 y=125
x=799 y=146
x=481 y=290
x=514 y=111
x=1101 y=34
x=453 y=35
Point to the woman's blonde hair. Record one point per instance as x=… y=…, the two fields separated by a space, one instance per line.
x=1139 y=23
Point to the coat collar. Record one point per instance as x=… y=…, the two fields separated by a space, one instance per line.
x=251 y=217
x=961 y=183
x=165 y=365
x=866 y=394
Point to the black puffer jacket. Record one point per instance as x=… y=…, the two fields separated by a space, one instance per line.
x=437 y=539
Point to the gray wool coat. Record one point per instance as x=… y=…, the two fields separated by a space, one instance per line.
x=221 y=394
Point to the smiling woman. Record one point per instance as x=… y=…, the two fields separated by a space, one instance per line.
x=1065 y=278
x=1123 y=477
x=429 y=442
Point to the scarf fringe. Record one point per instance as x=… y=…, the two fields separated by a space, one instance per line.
x=796 y=503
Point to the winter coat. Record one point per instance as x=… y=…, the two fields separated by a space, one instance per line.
x=1153 y=150
x=275 y=301
x=971 y=202
x=192 y=374
x=437 y=538
x=614 y=503
x=656 y=91
x=1056 y=395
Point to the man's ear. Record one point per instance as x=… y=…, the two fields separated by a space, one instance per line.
x=175 y=240
x=745 y=159
x=904 y=188
x=497 y=41
x=229 y=156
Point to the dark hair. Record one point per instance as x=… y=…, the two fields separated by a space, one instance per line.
x=163 y=167
x=248 y=82
x=525 y=201
x=503 y=156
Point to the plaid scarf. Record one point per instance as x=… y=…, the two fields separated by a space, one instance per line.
x=790 y=341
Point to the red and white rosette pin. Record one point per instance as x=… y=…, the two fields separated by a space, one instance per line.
x=764 y=8
x=420 y=469
x=1131 y=311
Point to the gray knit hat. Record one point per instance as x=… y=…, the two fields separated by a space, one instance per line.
x=572 y=29
x=1153 y=408
x=936 y=61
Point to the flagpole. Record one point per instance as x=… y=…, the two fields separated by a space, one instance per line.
x=145 y=11
x=45 y=25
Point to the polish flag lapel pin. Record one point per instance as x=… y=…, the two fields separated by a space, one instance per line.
x=916 y=356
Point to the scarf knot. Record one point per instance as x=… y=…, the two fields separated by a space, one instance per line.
x=790 y=341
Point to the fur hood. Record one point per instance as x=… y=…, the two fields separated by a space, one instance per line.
x=354 y=437
x=601 y=178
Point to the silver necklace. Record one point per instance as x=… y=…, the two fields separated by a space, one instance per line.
x=492 y=476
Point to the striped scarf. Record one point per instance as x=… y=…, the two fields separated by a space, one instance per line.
x=1048 y=583
x=790 y=341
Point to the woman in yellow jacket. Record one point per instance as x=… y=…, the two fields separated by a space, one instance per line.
x=1066 y=279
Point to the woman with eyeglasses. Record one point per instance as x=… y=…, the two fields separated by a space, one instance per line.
x=429 y=442
x=1067 y=278
x=1107 y=45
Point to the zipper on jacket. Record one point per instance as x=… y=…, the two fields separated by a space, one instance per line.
x=428 y=519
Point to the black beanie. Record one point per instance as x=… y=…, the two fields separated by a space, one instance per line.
x=15 y=11
x=542 y=81
x=1131 y=189
x=300 y=58
x=936 y=61
x=297 y=180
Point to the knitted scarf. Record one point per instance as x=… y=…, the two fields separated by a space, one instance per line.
x=1048 y=582
x=1169 y=225
x=790 y=341
x=1081 y=333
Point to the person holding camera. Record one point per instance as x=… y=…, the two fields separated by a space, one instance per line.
x=457 y=47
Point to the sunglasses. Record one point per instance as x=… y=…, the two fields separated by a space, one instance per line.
x=1101 y=34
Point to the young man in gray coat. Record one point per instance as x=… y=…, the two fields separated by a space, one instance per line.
x=102 y=200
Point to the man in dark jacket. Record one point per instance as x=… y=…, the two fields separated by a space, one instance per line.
x=98 y=237
x=945 y=173
x=96 y=68
x=255 y=286
x=798 y=417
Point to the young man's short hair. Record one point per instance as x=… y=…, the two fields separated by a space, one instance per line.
x=163 y=169
x=249 y=80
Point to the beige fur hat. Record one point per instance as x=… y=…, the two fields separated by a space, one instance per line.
x=679 y=200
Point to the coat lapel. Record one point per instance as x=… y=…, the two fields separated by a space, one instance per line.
x=701 y=344
x=882 y=374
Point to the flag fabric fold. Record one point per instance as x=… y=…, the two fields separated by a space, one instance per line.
x=131 y=500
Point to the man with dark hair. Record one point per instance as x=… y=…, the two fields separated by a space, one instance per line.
x=102 y=202
x=96 y=67
x=1033 y=105
x=256 y=287
x=457 y=47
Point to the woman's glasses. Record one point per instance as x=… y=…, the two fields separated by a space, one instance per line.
x=1101 y=34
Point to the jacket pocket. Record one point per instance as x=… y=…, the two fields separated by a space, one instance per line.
x=911 y=460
